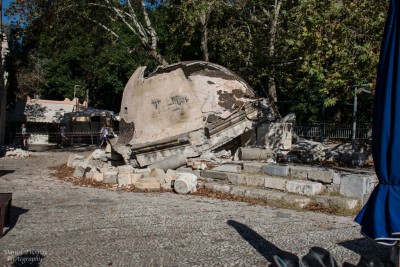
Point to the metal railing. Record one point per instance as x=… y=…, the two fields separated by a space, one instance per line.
x=334 y=131
x=90 y=137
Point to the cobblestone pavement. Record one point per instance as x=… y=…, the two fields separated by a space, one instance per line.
x=58 y=224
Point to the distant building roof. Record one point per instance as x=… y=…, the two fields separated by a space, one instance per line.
x=43 y=110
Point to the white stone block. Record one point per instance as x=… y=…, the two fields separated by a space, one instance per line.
x=304 y=187
x=275 y=183
x=124 y=179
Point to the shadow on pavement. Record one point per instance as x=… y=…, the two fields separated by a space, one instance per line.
x=5 y=172
x=263 y=246
x=368 y=249
x=14 y=215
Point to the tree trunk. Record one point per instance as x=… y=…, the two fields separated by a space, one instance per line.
x=274 y=27
x=204 y=30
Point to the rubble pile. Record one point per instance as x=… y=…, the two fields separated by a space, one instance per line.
x=194 y=120
x=12 y=152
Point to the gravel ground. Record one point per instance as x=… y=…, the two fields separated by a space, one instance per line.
x=55 y=223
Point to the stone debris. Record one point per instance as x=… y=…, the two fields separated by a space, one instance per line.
x=17 y=153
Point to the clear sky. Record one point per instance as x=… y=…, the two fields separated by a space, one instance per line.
x=5 y=5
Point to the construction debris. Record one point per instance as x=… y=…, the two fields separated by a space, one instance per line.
x=187 y=108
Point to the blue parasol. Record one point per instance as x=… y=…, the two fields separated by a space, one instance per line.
x=380 y=217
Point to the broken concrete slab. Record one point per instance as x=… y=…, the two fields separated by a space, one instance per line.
x=199 y=106
x=275 y=135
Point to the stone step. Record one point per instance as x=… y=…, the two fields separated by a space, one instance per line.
x=264 y=181
x=148 y=184
x=300 y=201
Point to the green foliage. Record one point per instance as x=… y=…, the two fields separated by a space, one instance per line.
x=319 y=51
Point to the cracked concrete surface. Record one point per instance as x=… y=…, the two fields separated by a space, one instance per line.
x=68 y=225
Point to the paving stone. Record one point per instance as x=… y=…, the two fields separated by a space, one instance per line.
x=275 y=183
x=304 y=187
x=276 y=170
x=253 y=166
x=110 y=177
x=214 y=174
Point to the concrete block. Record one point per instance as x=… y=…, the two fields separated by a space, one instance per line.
x=234 y=168
x=110 y=177
x=304 y=187
x=124 y=179
x=256 y=193
x=238 y=191
x=125 y=169
x=158 y=174
x=275 y=183
x=356 y=185
x=98 y=176
x=146 y=170
x=237 y=179
x=148 y=184
x=336 y=178
x=321 y=175
x=276 y=170
x=81 y=169
x=253 y=166
x=73 y=157
x=299 y=172
x=136 y=177
x=255 y=180
x=214 y=174
x=300 y=201
x=224 y=188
